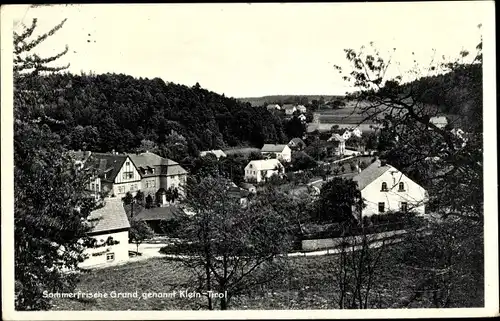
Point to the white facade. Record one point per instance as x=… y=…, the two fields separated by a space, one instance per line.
x=290 y=111
x=128 y=179
x=107 y=254
x=379 y=200
x=259 y=170
x=284 y=155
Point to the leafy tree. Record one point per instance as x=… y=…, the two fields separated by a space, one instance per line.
x=233 y=248
x=339 y=201
x=49 y=204
x=450 y=167
x=295 y=128
x=139 y=232
x=149 y=201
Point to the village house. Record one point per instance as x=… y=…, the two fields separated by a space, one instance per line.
x=118 y=174
x=385 y=189
x=273 y=107
x=217 y=153
x=260 y=170
x=351 y=132
x=282 y=152
x=296 y=144
x=439 y=121
x=239 y=193
x=289 y=109
x=339 y=143
x=301 y=109
x=109 y=235
x=159 y=176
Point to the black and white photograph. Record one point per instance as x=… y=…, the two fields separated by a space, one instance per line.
x=249 y=160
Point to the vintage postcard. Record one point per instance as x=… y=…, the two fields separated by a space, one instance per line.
x=248 y=161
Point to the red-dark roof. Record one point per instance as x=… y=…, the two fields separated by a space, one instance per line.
x=110 y=217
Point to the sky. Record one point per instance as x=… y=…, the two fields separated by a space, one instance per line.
x=250 y=50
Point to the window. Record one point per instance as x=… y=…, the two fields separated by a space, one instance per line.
x=92 y=187
x=404 y=207
x=128 y=175
x=110 y=257
x=127 y=164
x=384 y=187
x=401 y=187
x=133 y=187
x=381 y=207
x=121 y=189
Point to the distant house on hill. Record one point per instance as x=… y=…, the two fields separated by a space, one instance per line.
x=439 y=121
x=296 y=144
x=217 y=153
x=301 y=108
x=282 y=152
x=273 y=107
x=259 y=170
x=348 y=133
x=108 y=235
x=384 y=189
x=289 y=109
x=249 y=187
x=339 y=142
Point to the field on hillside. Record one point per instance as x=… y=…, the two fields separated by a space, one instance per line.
x=309 y=284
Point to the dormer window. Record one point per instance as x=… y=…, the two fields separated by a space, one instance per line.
x=384 y=187
x=401 y=187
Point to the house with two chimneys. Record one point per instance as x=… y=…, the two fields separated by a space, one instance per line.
x=385 y=189
x=261 y=170
x=118 y=174
x=279 y=151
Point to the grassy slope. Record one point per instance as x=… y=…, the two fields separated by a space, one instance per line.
x=308 y=286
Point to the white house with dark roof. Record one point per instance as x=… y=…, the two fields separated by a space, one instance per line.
x=273 y=107
x=109 y=235
x=260 y=170
x=384 y=189
x=216 y=152
x=282 y=151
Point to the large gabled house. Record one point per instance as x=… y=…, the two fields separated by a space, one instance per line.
x=289 y=109
x=159 y=176
x=281 y=151
x=117 y=173
x=439 y=121
x=385 y=189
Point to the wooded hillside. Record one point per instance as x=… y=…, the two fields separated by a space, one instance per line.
x=116 y=111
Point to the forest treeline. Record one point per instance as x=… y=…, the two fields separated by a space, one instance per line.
x=116 y=112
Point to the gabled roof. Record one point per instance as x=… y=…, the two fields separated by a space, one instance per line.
x=288 y=107
x=159 y=213
x=296 y=140
x=264 y=164
x=163 y=166
x=217 y=152
x=371 y=173
x=110 y=217
x=81 y=156
x=336 y=137
x=273 y=148
x=108 y=163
